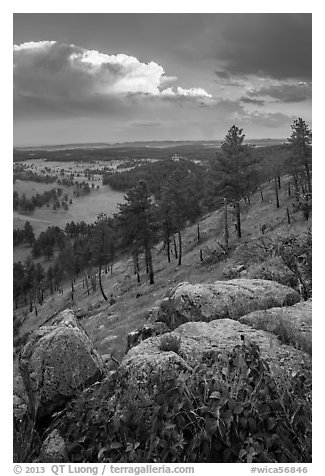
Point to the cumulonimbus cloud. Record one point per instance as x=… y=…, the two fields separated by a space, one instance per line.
x=58 y=72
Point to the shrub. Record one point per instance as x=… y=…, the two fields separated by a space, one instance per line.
x=231 y=408
x=170 y=342
x=285 y=259
x=26 y=440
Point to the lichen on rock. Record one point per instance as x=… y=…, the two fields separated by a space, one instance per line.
x=223 y=299
x=53 y=449
x=56 y=363
x=146 y=373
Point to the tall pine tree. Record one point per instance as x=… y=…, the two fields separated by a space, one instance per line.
x=102 y=245
x=233 y=172
x=301 y=157
x=137 y=223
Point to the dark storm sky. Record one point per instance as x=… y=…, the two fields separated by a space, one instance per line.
x=118 y=77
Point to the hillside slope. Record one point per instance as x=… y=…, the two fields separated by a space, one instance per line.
x=108 y=322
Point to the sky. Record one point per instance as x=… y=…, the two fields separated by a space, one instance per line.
x=126 y=77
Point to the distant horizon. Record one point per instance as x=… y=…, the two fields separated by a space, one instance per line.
x=103 y=144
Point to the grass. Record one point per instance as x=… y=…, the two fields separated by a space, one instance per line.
x=108 y=325
x=85 y=208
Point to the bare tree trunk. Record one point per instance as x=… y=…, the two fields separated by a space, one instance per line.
x=93 y=282
x=308 y=177
x=288 y=216
x=72 y=288
x=168 y=247
x=226 y=229
x=149 y=263
x=279 y=181
x=179 y=247
x=100 y=282
x=295 y=180
x=198 y=233
x=238 y=222
x=136 y=266
x=201 y=255
x=175 y=247
x=86 y=282
x=276 y=193
x=262 y=198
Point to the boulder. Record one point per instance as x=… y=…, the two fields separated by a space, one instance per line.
x=90 y=411
x=148 y=330
x=53 y=449
x=291 y=324
x=222 y=299
x=57 y=362
x=146 y=372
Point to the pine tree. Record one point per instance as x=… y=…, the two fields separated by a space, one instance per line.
x=137 y=223
x=101 y=245
x=300 y=142
x=29 y=233
x=232 y=171
x=179 y=203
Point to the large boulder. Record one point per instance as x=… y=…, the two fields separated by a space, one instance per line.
x=146 y=372
x=222 y=299
x=291 y=324
x=56 y=363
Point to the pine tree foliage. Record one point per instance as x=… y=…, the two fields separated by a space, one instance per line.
x=233 y=170
x=137 y=223
x=300 y=141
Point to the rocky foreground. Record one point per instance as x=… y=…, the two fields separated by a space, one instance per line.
x=260 y=325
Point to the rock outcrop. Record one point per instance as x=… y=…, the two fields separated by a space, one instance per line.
x=146 y=372
x=56 y=363
x=148 y=330
x=53 y=449
x=223 y=299
x=291 y=324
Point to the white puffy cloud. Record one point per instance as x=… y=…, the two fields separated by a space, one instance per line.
x=192 y=93
x=49 y=73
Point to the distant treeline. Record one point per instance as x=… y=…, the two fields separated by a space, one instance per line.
x=155 y=174
x=194 y=151
x=34 y=177
x=53 y=196
x=267 y=161
x=26 y=205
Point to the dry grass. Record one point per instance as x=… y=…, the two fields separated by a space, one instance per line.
x=108 y=325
